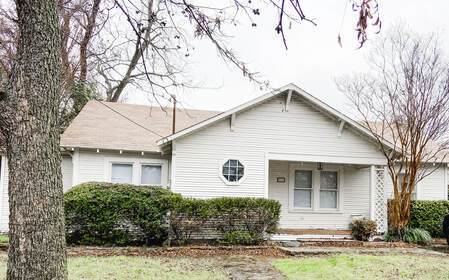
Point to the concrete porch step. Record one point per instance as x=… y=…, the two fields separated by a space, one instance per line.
x=303 y=251
x=319 y=243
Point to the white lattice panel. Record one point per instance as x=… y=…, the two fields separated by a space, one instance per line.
x=380 y=202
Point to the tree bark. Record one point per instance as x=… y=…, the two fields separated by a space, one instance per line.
x=29 y=122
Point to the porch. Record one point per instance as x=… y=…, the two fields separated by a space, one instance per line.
x=321 y=199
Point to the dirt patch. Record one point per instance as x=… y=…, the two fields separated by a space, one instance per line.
x=187 y=251
x=250 y=267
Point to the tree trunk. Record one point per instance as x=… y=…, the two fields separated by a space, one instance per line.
x=30 y=125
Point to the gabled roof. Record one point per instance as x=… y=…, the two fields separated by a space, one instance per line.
x=294 y=89
x=127 y=127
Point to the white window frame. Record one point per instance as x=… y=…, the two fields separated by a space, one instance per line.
x=220 y=171
x=137 y=168
x=312 y=191
x=122 y=162
x=338 y=171
x=141 y=164
x=316 y=188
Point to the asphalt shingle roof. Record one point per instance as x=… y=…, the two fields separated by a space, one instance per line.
x=128 y=127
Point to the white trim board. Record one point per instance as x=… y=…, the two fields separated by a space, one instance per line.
x=325 y=159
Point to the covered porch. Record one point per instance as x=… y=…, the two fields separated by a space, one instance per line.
x=318 y=193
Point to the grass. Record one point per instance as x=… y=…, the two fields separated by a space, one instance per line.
x=4 y=239
x=198 y=268
x=365 y=267
x=136 y=268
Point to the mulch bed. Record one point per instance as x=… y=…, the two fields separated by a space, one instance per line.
x=187 y=251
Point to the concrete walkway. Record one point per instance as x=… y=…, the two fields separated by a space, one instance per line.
x=250 y=268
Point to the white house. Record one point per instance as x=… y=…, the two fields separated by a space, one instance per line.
x=323 y=167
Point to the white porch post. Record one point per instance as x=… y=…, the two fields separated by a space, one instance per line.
x=266 y=175
x=372 y=192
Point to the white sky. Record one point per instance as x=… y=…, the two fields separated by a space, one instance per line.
x=314 y=58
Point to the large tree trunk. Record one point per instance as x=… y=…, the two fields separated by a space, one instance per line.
x=30 y=125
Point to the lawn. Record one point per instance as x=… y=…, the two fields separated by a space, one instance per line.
x=364 y=267
x=4 y=239
x=254 y=267
x=136 y=268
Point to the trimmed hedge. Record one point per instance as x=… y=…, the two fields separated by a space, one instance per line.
x=429 y=215
x=238 y=220
x=121 y=214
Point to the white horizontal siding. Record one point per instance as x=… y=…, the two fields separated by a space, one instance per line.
x=94 y=167
x=67 y=172
x=263 y=129
x=432 y=187
x=354 y=193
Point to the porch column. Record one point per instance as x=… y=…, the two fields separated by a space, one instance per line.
x=378 y=201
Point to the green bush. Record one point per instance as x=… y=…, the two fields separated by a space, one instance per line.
x=122 y=214
x=241 y=238
x=417 y=236
x=257 y=215
x=429 y=215
x=363 y=229
x=235 y=220
x=187 y=217
x=119 y=214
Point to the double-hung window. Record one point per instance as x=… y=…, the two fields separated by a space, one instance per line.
x=313 y=189
x=329 y=189
x=151 y=174
x=302 y=189
x=122 y=173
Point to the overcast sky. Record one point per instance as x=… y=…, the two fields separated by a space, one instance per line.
x=313 y=60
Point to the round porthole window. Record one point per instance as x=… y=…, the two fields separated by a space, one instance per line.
x=233 y=170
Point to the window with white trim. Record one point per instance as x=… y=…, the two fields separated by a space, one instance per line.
x=303 y=190
x=122 y=173
x=329 y=189
x=233 y=170
x=151 y=174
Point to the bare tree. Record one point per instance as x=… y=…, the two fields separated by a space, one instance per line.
x=164 y=31
x=29 y=123
x=80 y=23
x=103 y=57
x=404 y=99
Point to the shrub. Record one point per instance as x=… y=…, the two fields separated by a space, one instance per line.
x=417 y=236
x=446 y=228
x=392 y=236
x=258 y=215
x=363 y=229
x=241 y=238
x=120 y=214
x=188 y=216
x=236 y=220
x=429 y=215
